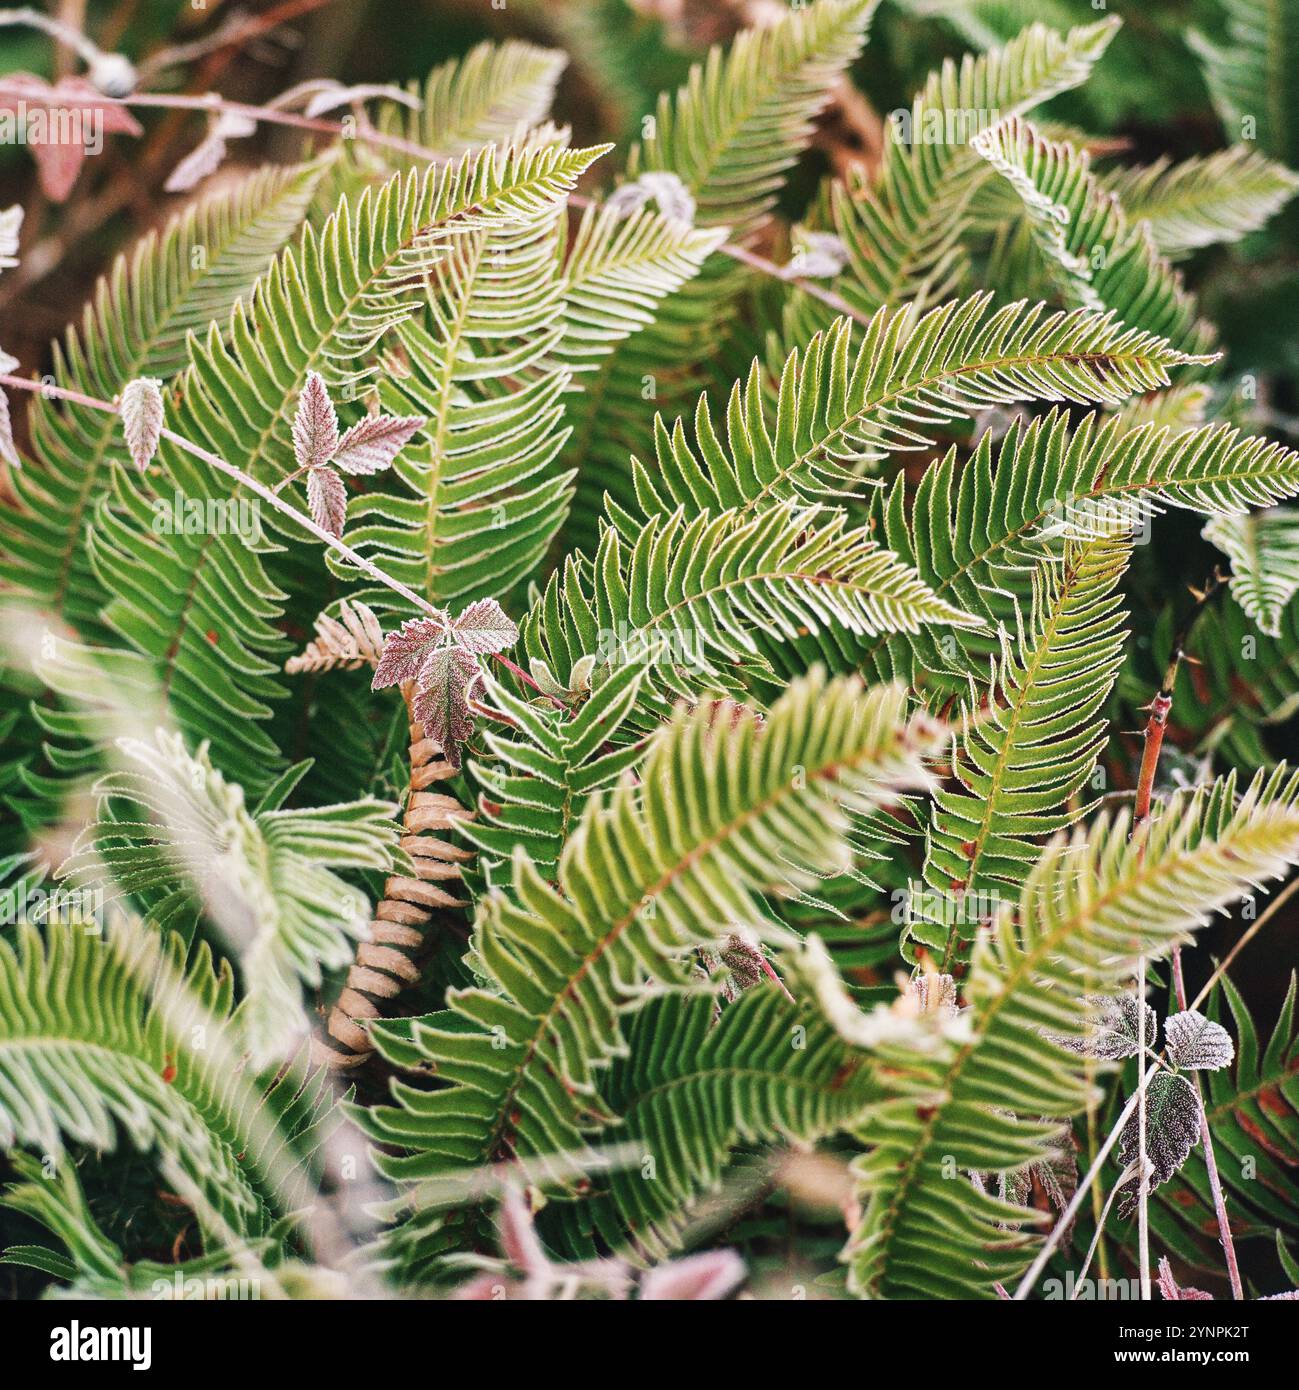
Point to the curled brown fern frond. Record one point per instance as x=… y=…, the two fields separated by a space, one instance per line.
x=353 y=639
x=386 y=964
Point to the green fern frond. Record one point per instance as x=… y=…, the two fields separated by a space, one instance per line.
x=1099 y=259
x=101 y=1032
x=991 y=1093
x=975 y=533
x=203 y=606
x=1017 y=768
x=691 y=1088
x=740 y=121
x=492 y=95
x=1250 y=75
x=172 y=284
x=266 y=879
x=1204 y=200
x=656 y=868
x=854 y=396
x=903 y=232
x=691 y=597
x=1263 y=548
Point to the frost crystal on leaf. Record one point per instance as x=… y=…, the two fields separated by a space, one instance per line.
x=667 y=190
x=1197 y=1043
x=327 y=498
x=141 y=412
x=817 y=256
x=484 y=628
x=1112 y=1030
x=315 y=426
x=441 y=702
x=1172 y=1129
x=370 y=445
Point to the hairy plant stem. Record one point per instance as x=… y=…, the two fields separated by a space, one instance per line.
x=1210 y=1161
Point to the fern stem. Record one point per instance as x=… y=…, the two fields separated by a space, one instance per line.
x=1210 y=1161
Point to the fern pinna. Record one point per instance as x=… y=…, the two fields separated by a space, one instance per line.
x=651 y=693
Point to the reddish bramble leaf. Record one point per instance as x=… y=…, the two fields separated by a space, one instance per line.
x=484 y=628
x=370 y=445
x=406 y=650
x=315 y=427
x=327 y=497
x=442 y=701
x=141 y=412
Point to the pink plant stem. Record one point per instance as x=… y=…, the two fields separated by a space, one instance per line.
x=259 y=489
x=214 y=105
x=1210 y=1162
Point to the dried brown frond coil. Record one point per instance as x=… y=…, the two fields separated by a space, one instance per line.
x=385 y=964
x=354 y=638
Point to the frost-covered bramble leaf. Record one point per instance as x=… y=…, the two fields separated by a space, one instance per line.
x=8 y=362
x=327 y=498
x=141 y=411
x=1197 y=1043
x=484 y=628
x=330 y=95
x=696 y=1278
x=936 y=993
x=441 y=701
x=1172 y=1129
x=209 y=154
x=11 y=221
x=1171 y=1291
x=8 y=453
x=315 y=427
x=370 y=445
x=1112 y=1030
x=406 y=651
x=59 y=160
x=667 y=190
x=817 y=256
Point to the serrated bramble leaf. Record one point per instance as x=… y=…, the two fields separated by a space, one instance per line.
x=370 y=445
x=1113 y=1030
x=406 y=650
x=327 y=497
x=484 y=628
x=441 y=703
x=315 y=426
x=1172 y=1130
x=1197 y=1043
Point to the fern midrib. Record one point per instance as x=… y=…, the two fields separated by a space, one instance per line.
x=503 y=1130
x=1026 y=687
x=927 y=383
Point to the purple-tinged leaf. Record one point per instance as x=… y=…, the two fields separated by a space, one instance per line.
x=1195 y=1042
x=695 y=1279
x=327 y=498
x=484 y=628
x=370 y=445
x=141 y=412
x=441 y=702
x=1171 y=1291
x=315 y=427
x=406 y=651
